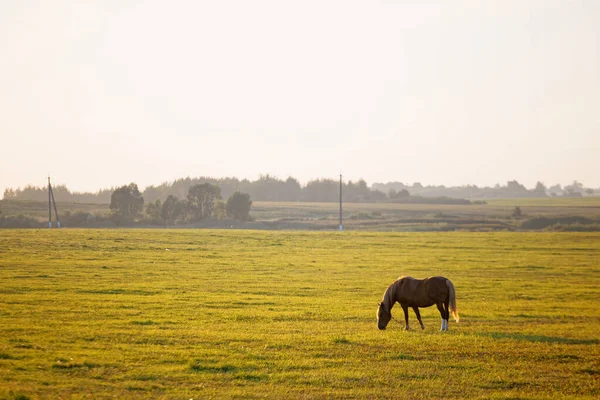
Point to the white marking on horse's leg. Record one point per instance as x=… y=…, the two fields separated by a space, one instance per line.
x=407 y=327
x=444 y=325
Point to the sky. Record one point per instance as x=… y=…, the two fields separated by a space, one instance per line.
x=103 y=93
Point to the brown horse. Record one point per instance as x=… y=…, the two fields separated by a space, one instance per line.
x=415 y=293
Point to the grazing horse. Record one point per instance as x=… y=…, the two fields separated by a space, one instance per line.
x=415 y=293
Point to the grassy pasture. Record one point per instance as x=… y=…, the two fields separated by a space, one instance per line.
x=257 y=314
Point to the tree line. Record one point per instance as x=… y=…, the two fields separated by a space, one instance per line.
x=202 y=201
x=266 y=188
x=512 y=189
x=269 y=188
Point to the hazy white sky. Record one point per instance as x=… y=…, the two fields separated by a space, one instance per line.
x=103 y=93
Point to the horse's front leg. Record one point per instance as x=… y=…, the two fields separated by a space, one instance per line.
x=405 y=308
x=416 y=310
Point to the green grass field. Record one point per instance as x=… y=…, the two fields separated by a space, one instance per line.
x=256 y=314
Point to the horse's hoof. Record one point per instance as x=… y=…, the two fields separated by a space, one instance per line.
x=407 y=328
x=422 y=327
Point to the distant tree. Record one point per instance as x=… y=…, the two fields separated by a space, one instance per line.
x=9 y=193
x=61 y=193
x=172 y=210
x=181 y=212
x=377 y=196
x=321 y=190
x=202 y=199
x=574 y=189
x=402 y=193
x=555 y=190
x=392 y=194
x=515 y=187
x=417 y=185
x=220 y=212
x=292 y=190
x=126 y=203
x=350 y=192
x=153 y=193
x=153 y=210
x=589 y=192
x=540 y=189
x=166 y=211
x=385 y=187
x=267 y=188
x=355 y=192
x=238 y=206
x=362 y=189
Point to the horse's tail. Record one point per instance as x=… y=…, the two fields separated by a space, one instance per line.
x=452 y=300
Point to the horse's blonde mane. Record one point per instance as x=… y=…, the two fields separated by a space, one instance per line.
x=390 y=294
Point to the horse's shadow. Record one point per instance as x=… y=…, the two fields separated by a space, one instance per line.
x=539 y=338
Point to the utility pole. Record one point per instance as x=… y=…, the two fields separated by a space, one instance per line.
x=341 y=225
x=50 y=202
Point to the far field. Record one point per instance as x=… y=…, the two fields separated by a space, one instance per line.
x=582 y=214
x=180 y=314
x=495 y=215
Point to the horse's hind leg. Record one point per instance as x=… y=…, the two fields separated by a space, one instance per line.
x=416 y=310
x=444 y=314
x=447 y=308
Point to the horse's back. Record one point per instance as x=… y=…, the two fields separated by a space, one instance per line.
x=437 y=280
x=436 y=287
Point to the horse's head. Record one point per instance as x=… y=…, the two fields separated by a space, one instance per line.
x=383 y=316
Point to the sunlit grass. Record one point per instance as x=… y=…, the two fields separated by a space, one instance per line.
x=199 y=313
